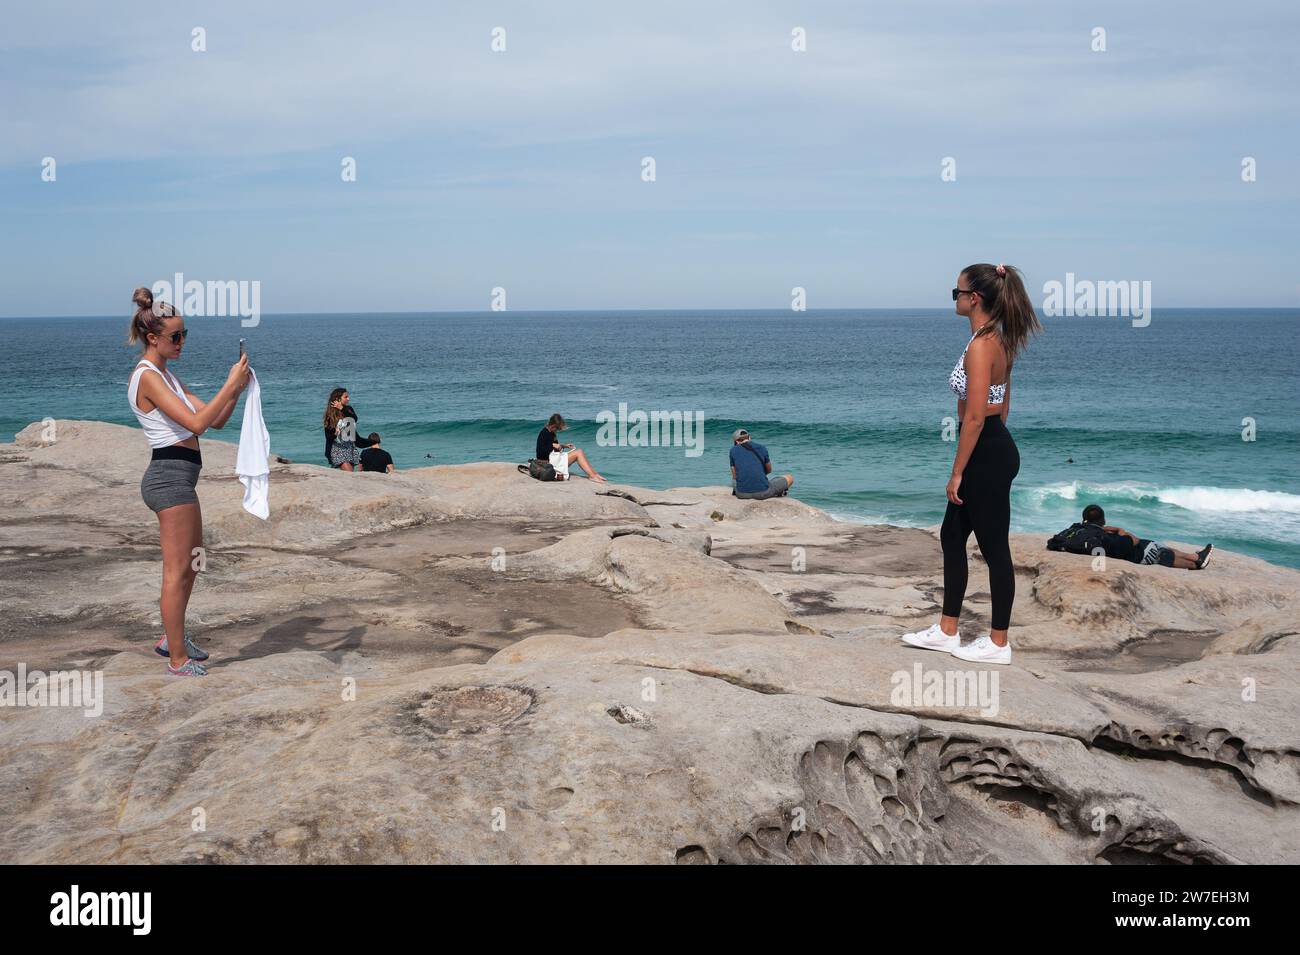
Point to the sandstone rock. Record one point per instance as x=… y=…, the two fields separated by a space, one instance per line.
x=460 y=664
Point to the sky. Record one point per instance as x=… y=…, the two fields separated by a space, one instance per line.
x=523 y=169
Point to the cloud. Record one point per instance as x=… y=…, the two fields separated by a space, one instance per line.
x=342 y=76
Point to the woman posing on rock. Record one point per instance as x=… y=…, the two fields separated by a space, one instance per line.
x=993 y=299
x=173 y=417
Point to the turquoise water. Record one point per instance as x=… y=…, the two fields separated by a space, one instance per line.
x=1145 y=421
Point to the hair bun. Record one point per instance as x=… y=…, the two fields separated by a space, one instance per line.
x=143 y=297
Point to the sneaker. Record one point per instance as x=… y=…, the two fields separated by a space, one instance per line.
x=932 y=638
x=188 y=668
x=192 y=649
x=983 y=650
x=1203 y=556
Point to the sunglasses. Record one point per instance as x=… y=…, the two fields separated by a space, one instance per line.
x=962 y=291
x=184 y=333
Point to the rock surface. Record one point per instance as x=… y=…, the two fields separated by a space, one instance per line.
x=460 y=664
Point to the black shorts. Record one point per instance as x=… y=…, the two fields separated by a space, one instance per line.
x=1149 y=552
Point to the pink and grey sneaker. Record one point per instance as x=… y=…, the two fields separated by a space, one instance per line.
x=933 y=638
x=983 y=650
x=188 y=668
x=192 y=649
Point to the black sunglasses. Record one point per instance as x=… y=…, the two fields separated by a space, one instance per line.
x=963 y=291
x=184 y=333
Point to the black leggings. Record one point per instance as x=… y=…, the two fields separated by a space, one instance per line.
x=985 y=509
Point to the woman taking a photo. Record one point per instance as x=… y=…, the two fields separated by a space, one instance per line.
x=173 y=417
x=993 y=299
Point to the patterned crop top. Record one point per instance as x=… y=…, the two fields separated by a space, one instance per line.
x=957 y=381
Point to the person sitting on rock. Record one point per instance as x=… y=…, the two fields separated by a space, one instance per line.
x=375 y=458
x=1119 y=544
x=750 y=467
x=561 y=456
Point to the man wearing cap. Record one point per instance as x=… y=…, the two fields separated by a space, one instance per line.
x=750 y=467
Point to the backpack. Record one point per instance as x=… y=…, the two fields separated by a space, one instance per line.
x=539 y=470
x=1078 y=539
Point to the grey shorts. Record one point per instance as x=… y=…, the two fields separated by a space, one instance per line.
x=776 y=487
x=167 y=483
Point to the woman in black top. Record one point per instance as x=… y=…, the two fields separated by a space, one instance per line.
x=560 y=456
x=342 y=443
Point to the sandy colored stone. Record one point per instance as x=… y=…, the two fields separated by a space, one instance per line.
x=460 y=664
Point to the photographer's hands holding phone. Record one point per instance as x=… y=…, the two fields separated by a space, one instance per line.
x=238 y=377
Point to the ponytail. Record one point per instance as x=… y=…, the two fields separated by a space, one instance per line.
x=1011 y=313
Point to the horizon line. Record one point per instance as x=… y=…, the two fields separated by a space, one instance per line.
x=534 y=311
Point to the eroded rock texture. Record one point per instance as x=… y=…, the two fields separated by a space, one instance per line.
x=459 y=664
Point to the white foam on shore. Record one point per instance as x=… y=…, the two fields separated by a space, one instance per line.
x=1203 y=500
x=846 y=517
x=1230 y=500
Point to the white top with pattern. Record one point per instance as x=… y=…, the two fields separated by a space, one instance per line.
x=957 y=381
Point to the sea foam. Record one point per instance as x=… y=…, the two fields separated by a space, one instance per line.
x=1204 y=500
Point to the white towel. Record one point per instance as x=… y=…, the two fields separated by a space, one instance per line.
x=560 y=461
x=251 y=463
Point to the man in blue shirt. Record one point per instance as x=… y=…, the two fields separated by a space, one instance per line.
x=750 y=467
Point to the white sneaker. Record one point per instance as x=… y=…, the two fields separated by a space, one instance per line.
x=983 y=650
x=932 y=638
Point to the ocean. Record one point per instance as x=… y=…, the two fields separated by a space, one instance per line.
x=1146 y=421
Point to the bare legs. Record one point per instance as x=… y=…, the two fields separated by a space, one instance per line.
x=577 y=457
x=949 y=626
x=180 y=530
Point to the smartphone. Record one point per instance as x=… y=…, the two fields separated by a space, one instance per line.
x=241 y=348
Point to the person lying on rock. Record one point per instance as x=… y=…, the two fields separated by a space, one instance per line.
x=750 y=467
x=1119 y=544
x=561 y=456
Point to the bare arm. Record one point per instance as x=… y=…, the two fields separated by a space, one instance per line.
x=169 y=403
x=972 y=411
x=200 y=404
x=1006 y=400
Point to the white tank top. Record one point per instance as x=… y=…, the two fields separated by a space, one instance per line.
x=160 y=430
